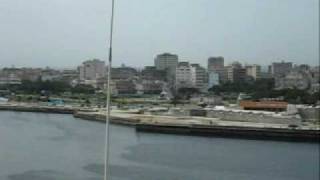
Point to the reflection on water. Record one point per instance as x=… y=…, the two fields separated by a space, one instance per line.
x=38 y=146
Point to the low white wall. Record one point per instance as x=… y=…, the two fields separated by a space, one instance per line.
x=251 y=117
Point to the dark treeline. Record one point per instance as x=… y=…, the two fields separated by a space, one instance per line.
x=261 y=86
x=52 y=87
x=264 y=88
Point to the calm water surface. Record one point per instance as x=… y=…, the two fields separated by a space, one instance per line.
x=36 y=146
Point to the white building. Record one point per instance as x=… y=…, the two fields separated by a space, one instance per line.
x=185 y=76
x=200 y=77
x=92 y=70
x=253 y=71
x=191 y=76
x=235 y=72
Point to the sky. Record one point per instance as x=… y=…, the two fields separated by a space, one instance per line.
x=64 y=33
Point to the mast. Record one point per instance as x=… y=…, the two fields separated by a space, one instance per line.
x=108 y=108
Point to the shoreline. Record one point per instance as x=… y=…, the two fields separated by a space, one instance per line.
x=148 y=124
x=35 y=108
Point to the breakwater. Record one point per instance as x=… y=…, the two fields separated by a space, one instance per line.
x=246 y=132
x=102 y=118
x=235 y=132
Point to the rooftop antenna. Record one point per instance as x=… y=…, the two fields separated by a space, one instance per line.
x=108 y=109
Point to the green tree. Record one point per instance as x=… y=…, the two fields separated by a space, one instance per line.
x=84 y=89
x=187 y=92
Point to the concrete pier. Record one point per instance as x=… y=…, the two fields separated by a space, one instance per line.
x=235 y=132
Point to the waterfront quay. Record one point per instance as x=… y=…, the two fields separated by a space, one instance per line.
x=187 y=125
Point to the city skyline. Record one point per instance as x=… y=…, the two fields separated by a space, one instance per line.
x=169 y=75
x=264 y=67
x=242 y=31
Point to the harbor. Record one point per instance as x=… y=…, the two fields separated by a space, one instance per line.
x=159 y=90
x=59 y=146
x=160 y=120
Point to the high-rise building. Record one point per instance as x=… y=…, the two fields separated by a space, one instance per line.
x=253 y=71
x=236 y=72
x=200 y=77
x=184 y=76
x=215 y=63
x=166 y=61
x=280 y=68
x=92 y=70
x=191 y=76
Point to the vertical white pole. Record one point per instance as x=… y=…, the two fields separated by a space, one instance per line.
x=107 y=143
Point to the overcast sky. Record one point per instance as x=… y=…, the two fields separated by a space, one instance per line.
x=63 y=33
